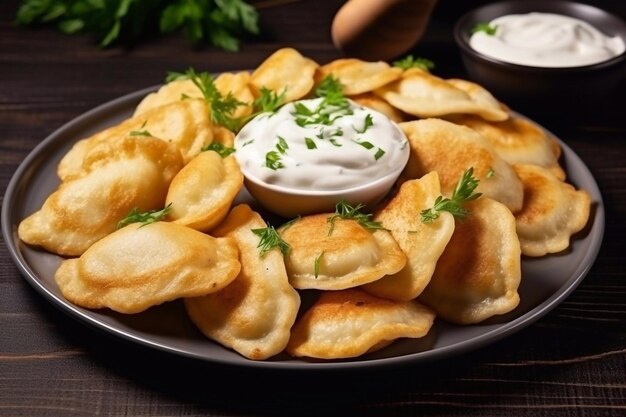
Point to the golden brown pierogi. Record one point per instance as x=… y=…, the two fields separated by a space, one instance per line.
x=140 y=266
x=253 y=315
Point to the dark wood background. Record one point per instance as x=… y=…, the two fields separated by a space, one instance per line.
x=570 y=363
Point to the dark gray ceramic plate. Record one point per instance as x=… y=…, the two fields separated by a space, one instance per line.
x=546 y=281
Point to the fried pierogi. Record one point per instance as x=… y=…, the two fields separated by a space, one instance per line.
x=286 y=72
x=518 y=141
x=553 y=211
x=331 y=253
x=373 y=101
x=451 y=149
x=479 y=272
x=357 y=76
x=184 y=123
x=351 y=322
x=227 y=83
x=424 y=95
x=422 y=243
x=202 y=192
x=140 y=266
x=253 y=315
x=117 y=176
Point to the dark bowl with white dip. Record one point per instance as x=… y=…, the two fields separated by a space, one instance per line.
x=521 y=77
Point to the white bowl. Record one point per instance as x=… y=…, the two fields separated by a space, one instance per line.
x=290 y=202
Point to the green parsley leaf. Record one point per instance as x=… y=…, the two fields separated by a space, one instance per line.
x=411 y=62
x=282 y=145
x=345 y=211
x=140 y=132
x=379 y=154
x=272 y=160
x=270 y=239
x=310 y=143
x=463 y=193
x=145 y=218
x=268 y=101
x=485 y=27
x=220 y=148
x=368 y=122
x=316 y=265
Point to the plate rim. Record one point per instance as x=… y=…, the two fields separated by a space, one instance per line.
x=9 y=232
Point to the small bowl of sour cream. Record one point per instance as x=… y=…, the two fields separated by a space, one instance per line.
x=313 y=153
x=558 y=50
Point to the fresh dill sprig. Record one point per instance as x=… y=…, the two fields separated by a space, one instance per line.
x=145 y=218
x=270 y=239
x=463 y=193
x=345 y=211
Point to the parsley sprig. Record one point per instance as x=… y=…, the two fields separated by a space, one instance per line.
x=332 y=106
x=220 y=148
x=485 y=27
x=222 y=107
x=463 y=193
x=412 y=62
x=145 y=217
x=217 y=22
x=345 y=211
x=270 y=239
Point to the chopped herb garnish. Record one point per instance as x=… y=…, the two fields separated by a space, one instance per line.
x=333 y=105
x=379 y=154
x=316 y=266
x=412 y=62
x=140 y=132
x=345 y=211
x=145 y=218
x=367 y=145
x=222 y=108
x=463 y=193
x=282 y=145
x=270 y=239
x=220 y=148
x=490 y=173
x=268 y=101
x=485 y=27
x=310 y=143
x=250 y=142
x=369 y=122
x=272 y=160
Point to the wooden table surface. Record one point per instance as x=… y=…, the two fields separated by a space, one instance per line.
x=569 y=363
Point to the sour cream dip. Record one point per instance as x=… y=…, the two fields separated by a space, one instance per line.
x=308 y=145
x=545 y=40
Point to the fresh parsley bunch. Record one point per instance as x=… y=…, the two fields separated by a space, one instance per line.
x=221 y=23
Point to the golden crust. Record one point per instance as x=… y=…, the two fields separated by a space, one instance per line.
x=202 y=192
x=424 y=95
x=285 y=71
x=350 y=323
x=553 y=211
x=117 y=176
x=140 y=266
x=450 y=150
x=357 y=76
x=479 y=272
x=422 y=243
x=346 y=256
x=253 y=315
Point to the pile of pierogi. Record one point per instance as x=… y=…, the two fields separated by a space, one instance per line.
x=371 y=286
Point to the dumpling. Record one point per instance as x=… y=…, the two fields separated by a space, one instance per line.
x=117 y=176
x=373 y=101
x=202 y=192
x=184 y=123
x=479 y=272
x=350 y=323
x=450 y=150
x=254 y=314
x=226 y=83
x=285 y=71
x=553 y=211
x=357 y=76
x=140 y=266
x=424 y=95
x=518 y=141
x=421 y=242
x=337 y=254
